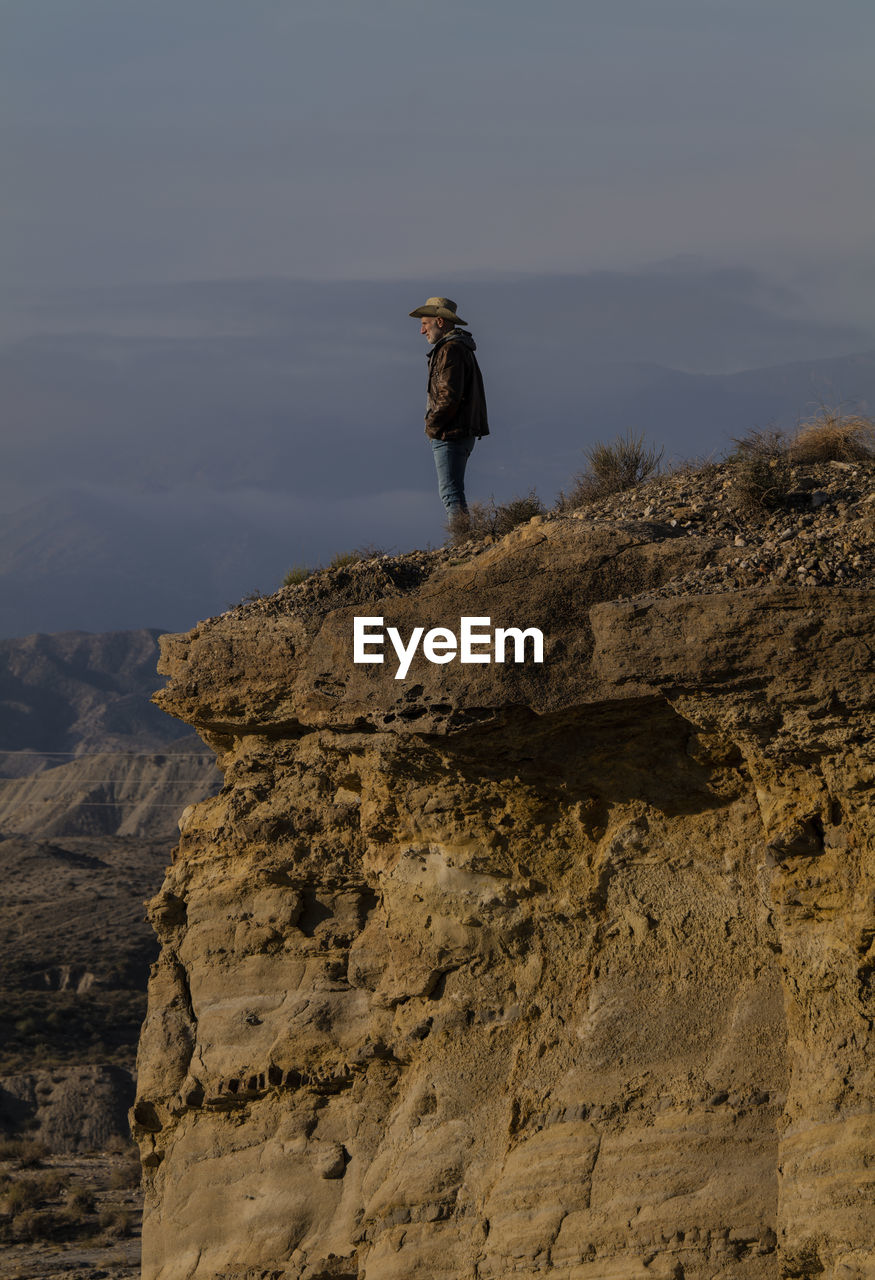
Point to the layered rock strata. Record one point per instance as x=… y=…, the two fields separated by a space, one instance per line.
x=521 y=970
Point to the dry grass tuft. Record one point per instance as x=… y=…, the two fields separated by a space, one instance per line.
x=493 y=520
x=612 y=468
x=297 y=574
x=33 y=1192
x=766 y=444
x=117 y=1222
x=761 y=477
x=344 y=559
x=27 y=1154
x=834 y=437
x=79 y=1201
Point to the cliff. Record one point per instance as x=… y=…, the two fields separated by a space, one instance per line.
x=518 y=969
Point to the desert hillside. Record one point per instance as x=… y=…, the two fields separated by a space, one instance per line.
x=75 y=693
x=94 y=780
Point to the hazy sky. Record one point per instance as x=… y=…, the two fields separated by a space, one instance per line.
x=181 y=139
x=635 y=203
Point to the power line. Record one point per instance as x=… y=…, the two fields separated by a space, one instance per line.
x=96 y=755
x=170 y=782
x=131 y=804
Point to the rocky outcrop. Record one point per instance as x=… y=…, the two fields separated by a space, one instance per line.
x=519 y=969
x=67 y=1109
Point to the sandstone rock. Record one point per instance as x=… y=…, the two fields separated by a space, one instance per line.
x=516 y=970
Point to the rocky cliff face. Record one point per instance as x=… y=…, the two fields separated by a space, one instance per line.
x=559 y=969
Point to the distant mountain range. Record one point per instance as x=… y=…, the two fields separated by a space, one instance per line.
x=93 y=779
x=172 y=449
x=76 y=693
x=82 y=750
x=106 y=559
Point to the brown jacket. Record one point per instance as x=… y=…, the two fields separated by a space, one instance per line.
x=456 y=399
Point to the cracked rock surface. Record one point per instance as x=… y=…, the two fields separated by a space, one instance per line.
x=518 y=970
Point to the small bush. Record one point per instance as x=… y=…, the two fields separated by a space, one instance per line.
x=37 y=1224
x=29 y=1193
x=761 y=470
x=28 y=1225
x=79 y=1202
x=116 y=1222
x=49 y=1185
x=126 y=1176
x=766 y=443
x=25 y=1153
x=696 y=467
x=120 y=1145
x=831 y=437
x=297 y=574
x=517 y=511
x=344 y=559
x=15 y=1197
x=612 y=468
x=493 y=520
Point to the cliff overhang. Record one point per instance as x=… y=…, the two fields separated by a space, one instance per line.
x=558 y=968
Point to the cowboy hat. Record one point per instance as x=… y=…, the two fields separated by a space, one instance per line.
x=443 y=307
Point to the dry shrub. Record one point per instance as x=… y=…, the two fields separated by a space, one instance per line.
x=612 y=468
x=15 y=1197
x=766 y=443
x=26 y=1154
x=29 y=1225
x=297 y=574
x=761 y=470
x=30 y=1192
x=344 y=559
x=518 y=511
x=698 y=467
x=37 y=1224
x=117 y=1222
x=493 y=520
x=79 y=1202
x=832 y=437
x=127 y=1175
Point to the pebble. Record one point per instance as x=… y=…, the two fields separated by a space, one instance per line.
x=828 y=541
x=823 y=537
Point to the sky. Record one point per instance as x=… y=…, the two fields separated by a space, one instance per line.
x=199 y=139
x=217 y=215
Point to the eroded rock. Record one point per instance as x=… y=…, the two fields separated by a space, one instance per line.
x=521 y=971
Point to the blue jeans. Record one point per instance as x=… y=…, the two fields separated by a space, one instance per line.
x=450 y=459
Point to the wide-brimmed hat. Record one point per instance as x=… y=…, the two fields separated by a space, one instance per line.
x=443 y=307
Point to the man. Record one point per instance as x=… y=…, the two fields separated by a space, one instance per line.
x=456 y=407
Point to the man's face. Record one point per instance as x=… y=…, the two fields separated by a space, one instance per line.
x=432 y=328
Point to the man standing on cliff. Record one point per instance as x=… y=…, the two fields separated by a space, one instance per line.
x=456 y=406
